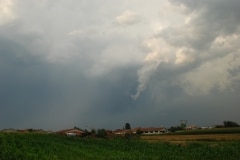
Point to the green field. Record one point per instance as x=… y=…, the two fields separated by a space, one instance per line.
x=50 y=146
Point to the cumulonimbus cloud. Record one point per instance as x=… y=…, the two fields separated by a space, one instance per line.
x=207 y=54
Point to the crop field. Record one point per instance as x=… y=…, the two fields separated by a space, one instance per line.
x=30 y=146
x=235 y=130
x=182 y=139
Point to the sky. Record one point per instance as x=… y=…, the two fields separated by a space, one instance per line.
x=101 y=64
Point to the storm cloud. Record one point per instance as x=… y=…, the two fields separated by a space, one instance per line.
x=101 y=64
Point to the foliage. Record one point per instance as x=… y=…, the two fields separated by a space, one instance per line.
x=75 y=127
x=139 y=132
x=127 y=126
x=30 y=146
x=230 y=124
x=30 y=130
x=101 y=133
x=175 y=129
x=183 y=124
x=93 y=131
x=131 y=136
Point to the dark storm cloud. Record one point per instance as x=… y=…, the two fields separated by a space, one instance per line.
x=78 y=63
x=36 y=93
x=23 y=82
x=210 y=19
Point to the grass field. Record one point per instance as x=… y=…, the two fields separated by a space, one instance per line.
x=18 y=146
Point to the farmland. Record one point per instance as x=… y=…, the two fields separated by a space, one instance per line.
x=217 y=134
x=50 y=146
x=186 y=139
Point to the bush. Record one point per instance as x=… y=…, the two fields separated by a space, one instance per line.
x=101 y=133
x=230 y=124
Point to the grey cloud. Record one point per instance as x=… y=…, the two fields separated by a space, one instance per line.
x=39 y=94
x=68 y=64
x=212 y=19
x=23 y=82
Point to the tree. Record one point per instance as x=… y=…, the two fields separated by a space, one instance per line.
x=175 y=128
x=127 y=126
x=183 y=124
x=93 y=131
x=139 y=132
x=230 y=124
x=101 y=133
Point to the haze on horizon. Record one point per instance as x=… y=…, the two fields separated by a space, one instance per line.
x=100 y=64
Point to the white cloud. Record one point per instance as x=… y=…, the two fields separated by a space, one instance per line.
x=75 y=32
x=6 y=12
x=218 y=74
x=184 y=55
x=128 y=18
x=88 y=32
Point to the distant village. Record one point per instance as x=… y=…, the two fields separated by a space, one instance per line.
x=75 y=131
x=127 y=130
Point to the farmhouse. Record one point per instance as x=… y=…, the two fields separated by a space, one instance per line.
x=146 y=131
x=153 y=130
x=122 y=131
x=71 y=132
x=191 y=127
